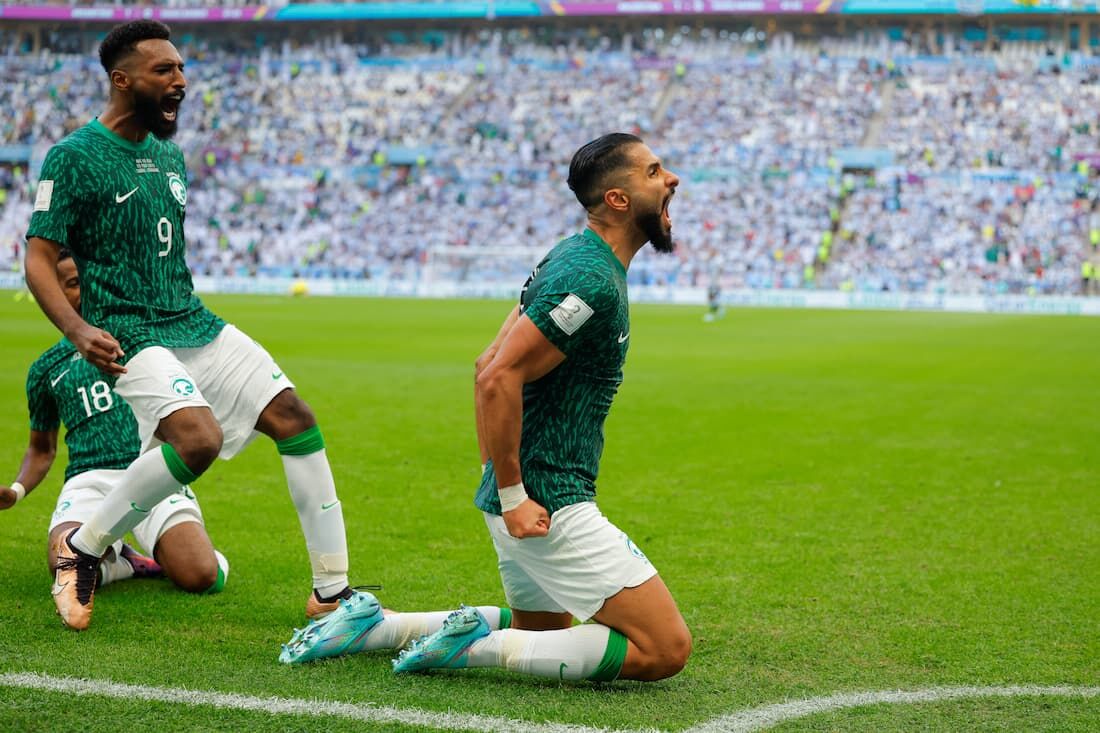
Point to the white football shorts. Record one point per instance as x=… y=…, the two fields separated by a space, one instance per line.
x=232 y=375
x=583 y=561
x=82 y=494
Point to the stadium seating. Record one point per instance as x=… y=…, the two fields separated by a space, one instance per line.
x=367 y=158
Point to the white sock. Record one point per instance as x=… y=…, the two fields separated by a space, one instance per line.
x=113 y=566
x=144 y=484
x=565 y=654
x=397 y=630
x=314 y=493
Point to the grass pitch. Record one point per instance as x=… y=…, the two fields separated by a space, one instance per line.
x=839 y=501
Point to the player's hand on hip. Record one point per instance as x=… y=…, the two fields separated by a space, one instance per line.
x=99 y=348
x=529 y=519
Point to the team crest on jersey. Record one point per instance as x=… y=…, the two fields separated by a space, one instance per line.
x=183 y=387
x=178 y=188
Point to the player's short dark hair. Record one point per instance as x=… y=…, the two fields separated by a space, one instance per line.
x=122 y=40
x=63 y=254
x=592 y=166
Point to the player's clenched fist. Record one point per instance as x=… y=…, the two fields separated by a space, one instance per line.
x=7 y=498
x=529 y=519
x=99 y=348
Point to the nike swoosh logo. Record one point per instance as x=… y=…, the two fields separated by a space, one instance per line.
x=58 y=589
x=326 y=507
x=174 y=501
x=119 y=198
x=561 y=671
x=276 y=375
x=53 y=382
x=623 y=337
x=136 y=508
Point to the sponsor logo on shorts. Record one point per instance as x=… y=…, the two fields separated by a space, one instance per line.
x=634 y=550
x=183 y=387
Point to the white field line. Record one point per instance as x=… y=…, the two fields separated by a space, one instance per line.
x=744 y=721
x=768 y=716
x=283 y=706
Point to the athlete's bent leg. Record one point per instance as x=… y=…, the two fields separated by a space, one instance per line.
x=192 y=439
x=195 y=436
x=659 y=642
x=288 y=421
x=187 y=556
x=540 y=620
x=53 y=545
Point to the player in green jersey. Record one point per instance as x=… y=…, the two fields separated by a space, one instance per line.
x=102 y=438
x=543 y=389
x=115 y=193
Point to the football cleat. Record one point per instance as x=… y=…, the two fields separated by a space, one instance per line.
x=144 y=567
x=74 y=585
x=446 y=647
x=317 y=607
x=343 y=631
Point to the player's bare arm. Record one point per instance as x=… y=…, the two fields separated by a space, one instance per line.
x=525 y=355
x=481 y=363
x=41 y=450
x=96 y=345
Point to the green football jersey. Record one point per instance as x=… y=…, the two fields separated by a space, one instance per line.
x=120 y=206
x=100 y=430
x=577 y=298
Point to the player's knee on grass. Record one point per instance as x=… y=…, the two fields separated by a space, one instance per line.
x=666 y=658
x=187 y=557
x=195 y=577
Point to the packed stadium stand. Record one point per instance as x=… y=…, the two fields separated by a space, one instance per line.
x=870 y=158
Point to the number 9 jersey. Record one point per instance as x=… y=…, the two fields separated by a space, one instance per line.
x=120 y=207
x=101 y=431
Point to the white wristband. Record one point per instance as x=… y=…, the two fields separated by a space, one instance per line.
x=19 y=489
x=512 y=496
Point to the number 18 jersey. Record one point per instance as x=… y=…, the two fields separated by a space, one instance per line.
x=120 y=207
x=101 y=431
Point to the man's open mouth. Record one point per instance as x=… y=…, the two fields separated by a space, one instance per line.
x=170 y=106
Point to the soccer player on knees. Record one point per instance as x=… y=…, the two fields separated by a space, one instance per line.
x=115 y=193
x=543 y=389
x=102 y=437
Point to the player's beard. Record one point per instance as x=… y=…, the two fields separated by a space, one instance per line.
x=654 y=229
x=149 y=114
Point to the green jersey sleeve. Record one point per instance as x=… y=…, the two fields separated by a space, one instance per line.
x=57 y=204
x=40 y=403
x=571 y=310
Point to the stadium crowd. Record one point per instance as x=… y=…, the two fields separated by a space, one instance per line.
x=369 y=158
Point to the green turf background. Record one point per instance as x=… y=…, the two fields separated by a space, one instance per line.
x=840 y=501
